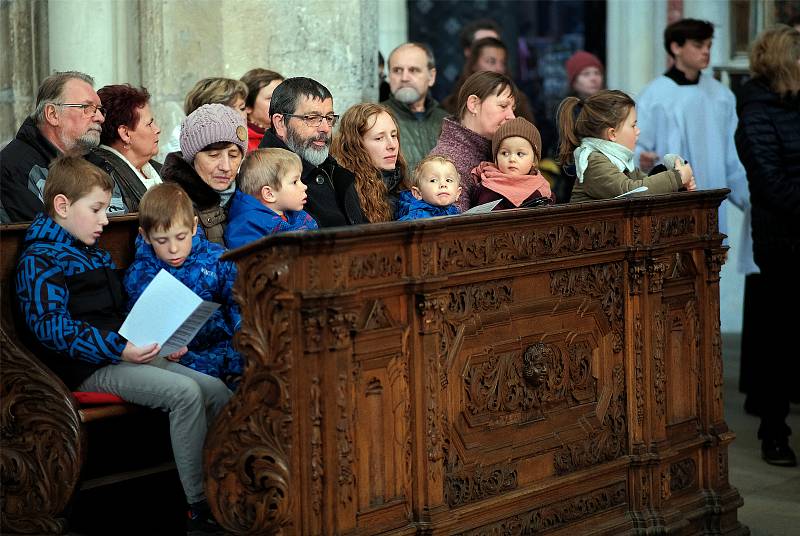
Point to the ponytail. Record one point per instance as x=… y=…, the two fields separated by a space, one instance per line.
x=591 y=117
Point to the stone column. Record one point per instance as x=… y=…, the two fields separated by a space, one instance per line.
x=392 y=26
x=182 y=42
x=24 y=62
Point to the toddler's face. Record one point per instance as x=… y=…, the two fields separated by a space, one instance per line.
x=515 y=156
x=173 y=245
x=438 y=184
x=292 y=195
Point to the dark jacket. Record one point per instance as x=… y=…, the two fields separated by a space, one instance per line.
x=210 y=214
x=23 y=171
x=211 y=351
x=332 y=197
x=249 y=220
x=394 y=184
x=418 y=134
x=411 y=208
x=768 y=142
x=72 y=301
x=130 y=185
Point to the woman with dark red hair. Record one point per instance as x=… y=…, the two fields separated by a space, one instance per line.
x=129 y=141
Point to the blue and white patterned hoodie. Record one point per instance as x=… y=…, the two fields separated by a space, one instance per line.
x=211 y=351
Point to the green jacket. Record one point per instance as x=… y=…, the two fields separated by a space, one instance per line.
x=417 y=136
x=603 y=180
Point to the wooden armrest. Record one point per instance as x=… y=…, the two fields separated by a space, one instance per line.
x=96 y=413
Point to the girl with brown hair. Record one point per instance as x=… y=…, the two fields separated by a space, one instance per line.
x=598 y=135
x=368 y=144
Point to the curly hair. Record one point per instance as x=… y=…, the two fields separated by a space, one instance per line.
x=348 y=149
x=122 y=103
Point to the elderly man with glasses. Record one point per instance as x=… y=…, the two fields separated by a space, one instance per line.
x=302 y=117
x=68 y=117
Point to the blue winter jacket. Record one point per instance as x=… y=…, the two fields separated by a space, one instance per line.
x=211 y=351
x=411 y=208
x=249 y=220
x=71 y=299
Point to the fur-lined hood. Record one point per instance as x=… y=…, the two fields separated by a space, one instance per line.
x=176 y=170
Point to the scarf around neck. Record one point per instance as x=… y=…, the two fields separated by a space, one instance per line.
x=515 y=188
x=620 y=156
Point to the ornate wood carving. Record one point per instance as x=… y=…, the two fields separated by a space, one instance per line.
x=247 y=461
x=722 y=465
x=636 y=226
x=378 y=317
x=40 y=458
x=638 y=346
x=659 y=370
x=604 y=444
x=556 y=515
x=505 y=248
x=712 y=222
x=669 y=227
x=478 y=483
x=317 y=464
x=636 y=272
x=645 y=501
x=534 y=363
x=376 y=265
x=583 y=385
x=426 y=252
x=714 y=260
x=683 y=475
x=655 y=272
x=602 y=282
x=344 y=443
x=666 y=488
x=716 y=357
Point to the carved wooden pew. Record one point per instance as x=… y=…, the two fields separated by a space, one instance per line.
x=50 y=444
x=551 y=370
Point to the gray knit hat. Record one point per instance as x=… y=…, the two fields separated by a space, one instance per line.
x=212 y=123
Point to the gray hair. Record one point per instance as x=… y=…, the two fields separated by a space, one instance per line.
x=51 y=89
x=422 y=46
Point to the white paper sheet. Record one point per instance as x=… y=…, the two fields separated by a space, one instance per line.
x=484 y=208
x=168 y=313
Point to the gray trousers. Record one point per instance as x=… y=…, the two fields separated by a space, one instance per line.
x=192 y=399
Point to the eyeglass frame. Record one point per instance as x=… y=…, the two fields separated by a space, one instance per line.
x=83 y=106
x=305 y=119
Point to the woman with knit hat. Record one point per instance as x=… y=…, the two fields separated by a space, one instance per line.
x=585 y=74
x=513 y=178
x=213 y=142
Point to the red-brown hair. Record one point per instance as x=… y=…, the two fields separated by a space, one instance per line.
x=122 y=103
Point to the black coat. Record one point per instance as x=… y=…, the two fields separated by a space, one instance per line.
x=768 y=142
x=129 y=183
x=332 y=197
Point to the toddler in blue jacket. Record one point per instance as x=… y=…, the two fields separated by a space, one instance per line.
x=169 y=240
x=435 y=187
x=269 y=199
x=72 y=300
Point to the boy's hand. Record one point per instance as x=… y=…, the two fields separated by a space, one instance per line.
x=176 y=356
x=647 y=159
x=140 y=354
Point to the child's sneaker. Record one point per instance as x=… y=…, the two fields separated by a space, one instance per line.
x=201 y=522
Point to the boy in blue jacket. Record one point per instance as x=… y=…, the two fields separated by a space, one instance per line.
x=72 y=300
x=169 y=240
x=269 y=199
x=434 y=190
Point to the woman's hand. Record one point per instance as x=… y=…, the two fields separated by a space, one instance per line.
x=140 y=354
x=687 y=175
x=647 y=159
x=176 y=356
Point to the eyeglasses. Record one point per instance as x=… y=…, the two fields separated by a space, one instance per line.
x=88 y=109
x=315 y=120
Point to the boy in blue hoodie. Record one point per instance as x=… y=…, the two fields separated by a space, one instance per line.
x=72 y=300
x=434 y=190
x=169 y=240
x=269 y=199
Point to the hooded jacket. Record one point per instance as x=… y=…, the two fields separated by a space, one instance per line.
x=211 y=351
x=211 y=216
x=249 y=220
x=768 y=142
x=418 y=132
x=72 y=301
x=411 y=208
x=332 y=197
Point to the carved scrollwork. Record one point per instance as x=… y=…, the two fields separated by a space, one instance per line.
x=716 y=353
x=637 y=231
x=376 y=265
x=247 y=452
x=478 y=483
x=714 y=261
x=40 y=458
x=659 y=372
x=472 y=299
x=636 y=271
x=583 y=386
x=638 y=347
x=644 y=501
x=655 y=273
x=670 y=227
x=604 y=444
x=683 y=475
x=505 y=248
x=602 y=282
x=496 y=386
x=344 y=444
x=556 y=515
x=426 y=253
x=712 y=222
x=317 y=467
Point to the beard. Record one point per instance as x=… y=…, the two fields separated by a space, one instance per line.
x=88 y=141
x=304 y=147
x=407 y=95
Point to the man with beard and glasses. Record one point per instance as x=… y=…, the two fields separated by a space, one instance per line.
x=68 y=118
x=412 y=73
x=302 y=117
